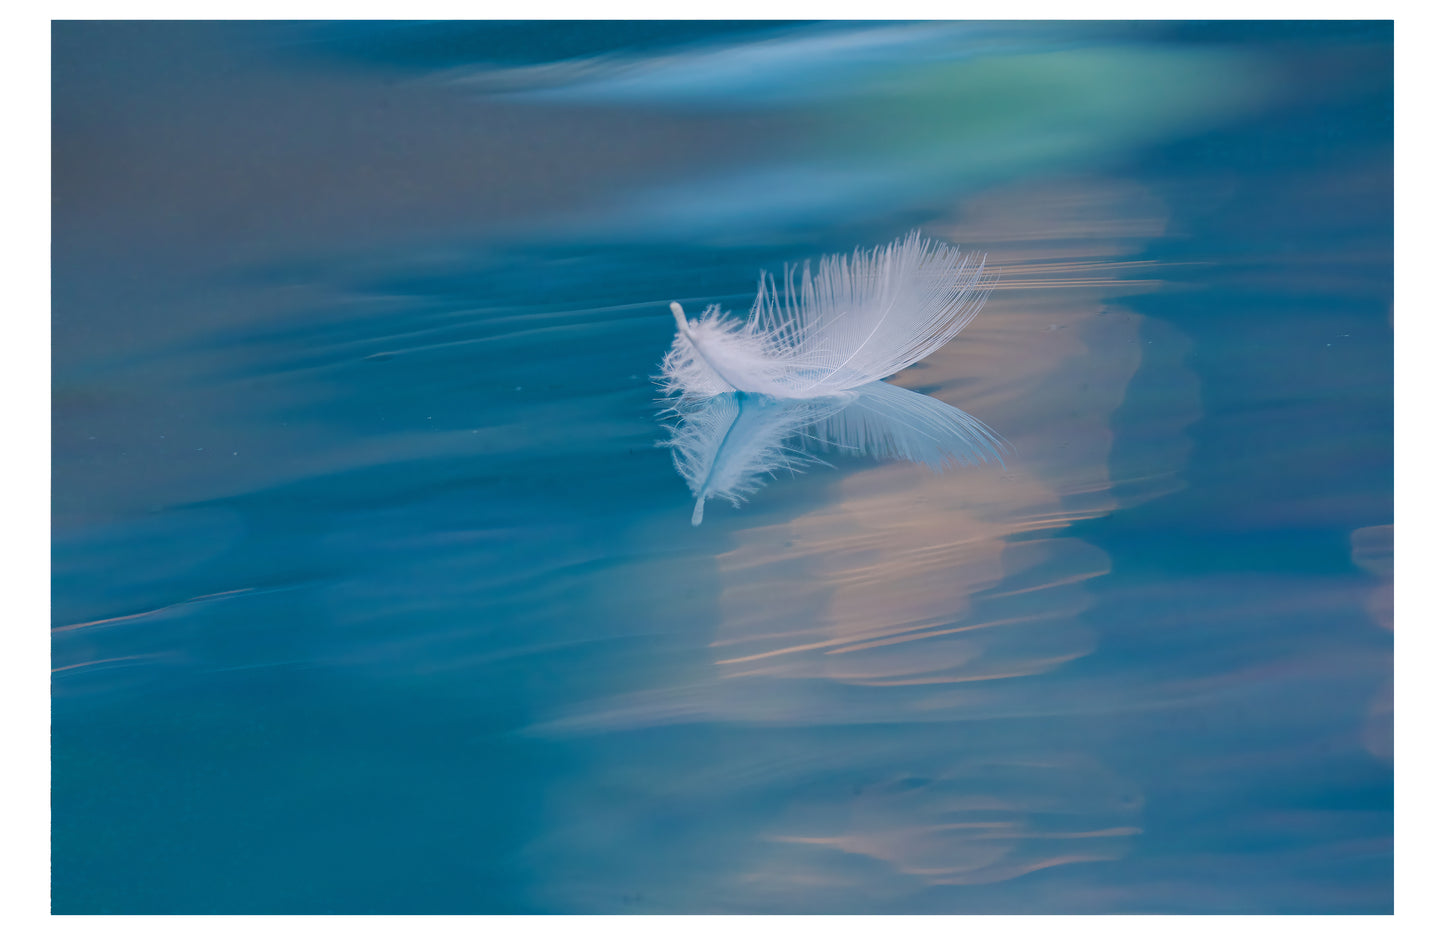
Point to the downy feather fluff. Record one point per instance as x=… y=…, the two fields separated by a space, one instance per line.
x=858 y=320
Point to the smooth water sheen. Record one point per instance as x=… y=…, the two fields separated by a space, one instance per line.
x=374 y=592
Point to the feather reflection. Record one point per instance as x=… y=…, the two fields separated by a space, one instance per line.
x=727 y=446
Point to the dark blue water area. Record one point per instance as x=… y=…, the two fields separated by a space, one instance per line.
x=374 y=590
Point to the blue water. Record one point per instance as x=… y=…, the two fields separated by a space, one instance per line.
x=373 y=591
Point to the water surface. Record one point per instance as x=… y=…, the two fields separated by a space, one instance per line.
x=373 y=590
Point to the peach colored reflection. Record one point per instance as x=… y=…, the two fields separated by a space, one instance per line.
x=1372 y=548
x=980 y=821
x=888 y=594
x=906 y=582
x=910 y=578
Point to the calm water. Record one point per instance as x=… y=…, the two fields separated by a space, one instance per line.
x=373 y=591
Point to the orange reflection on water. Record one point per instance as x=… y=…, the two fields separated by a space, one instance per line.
x=909 y=578
x=886 y=594
x=1372 y=548
x=905 y=582
x=978 y=821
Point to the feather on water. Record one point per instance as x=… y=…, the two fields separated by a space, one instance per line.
x=857 y=320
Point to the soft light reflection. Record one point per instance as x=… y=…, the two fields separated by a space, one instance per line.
x=878 y=133
x=866 y=590
x=1372 y=548
x=861 y=608
x=976 y=822
x=909 y=597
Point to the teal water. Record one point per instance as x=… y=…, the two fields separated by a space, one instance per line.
x=373 y=591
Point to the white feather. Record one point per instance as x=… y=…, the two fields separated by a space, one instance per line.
x=726 y=446
x=856 y=321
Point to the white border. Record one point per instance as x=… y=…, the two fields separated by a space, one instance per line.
x=25 y=884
